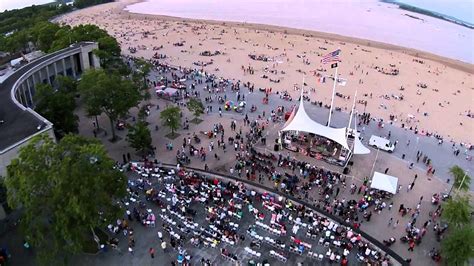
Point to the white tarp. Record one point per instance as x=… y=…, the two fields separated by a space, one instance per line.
x=384 y=182
x=302 y=122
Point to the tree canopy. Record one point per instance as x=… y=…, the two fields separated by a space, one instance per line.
x=196 y=107
x=43 y=33
x=65 y=189
x=457 y=211
x=32 y=24
x=50 y=37
x=86 y=3
x=458 y=247
x=143 y=68
x=462 y=180
x=171 y=117
x=109 y=49
x=108 y=93
x=139 y=137
x=58 y=106
x=19 y=19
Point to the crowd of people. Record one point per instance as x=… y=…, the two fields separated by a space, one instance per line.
x=192 y=211
x=297 y=178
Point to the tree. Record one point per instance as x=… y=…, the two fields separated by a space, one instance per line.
x=196 y=107
x=43 y=33
x=58 y=107
x=109 y=93
x=67 y=84
x=139 y=137
x=27 y=21
x=458 y=247
x=18 y=41
x=171 y=117
x=66 y=190
x=462 y=181
x=86 y=3
x=19 y=19
x=109 y=49
x=457 y=211
x=143 y=69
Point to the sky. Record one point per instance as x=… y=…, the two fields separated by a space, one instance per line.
x=16 y=4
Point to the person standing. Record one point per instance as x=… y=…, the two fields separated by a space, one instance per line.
x=390 y=221
x=163 y=246
x=152 y=252
x=396 y=224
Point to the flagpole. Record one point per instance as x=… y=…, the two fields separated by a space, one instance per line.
x=352 y=111
x=332 y=98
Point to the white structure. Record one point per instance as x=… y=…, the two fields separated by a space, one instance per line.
x=18 y=121
x=300 y=121
x=384 y=182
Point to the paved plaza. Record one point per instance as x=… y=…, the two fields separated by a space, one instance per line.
x=378 y=226
x=425 y=186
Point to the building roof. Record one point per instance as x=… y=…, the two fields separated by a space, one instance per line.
x=17 y=123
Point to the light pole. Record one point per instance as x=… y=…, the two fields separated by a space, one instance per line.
x=375 y=161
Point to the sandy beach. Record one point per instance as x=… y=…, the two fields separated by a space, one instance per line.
x=414 y=88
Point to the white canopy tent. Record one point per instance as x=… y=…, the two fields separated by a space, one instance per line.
x=302 y=122
x=384 y=182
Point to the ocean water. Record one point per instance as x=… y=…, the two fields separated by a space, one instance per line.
x=366 y=19
x=460 y=9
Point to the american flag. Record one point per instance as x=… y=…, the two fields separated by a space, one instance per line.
x=331 y=57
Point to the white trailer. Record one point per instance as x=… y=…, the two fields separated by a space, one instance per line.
x=381 y=143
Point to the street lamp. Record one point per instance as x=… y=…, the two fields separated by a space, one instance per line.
x=375 y=161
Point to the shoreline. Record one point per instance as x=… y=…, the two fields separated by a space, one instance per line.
x=443 y=82
x=429 y=13
x=449 y=62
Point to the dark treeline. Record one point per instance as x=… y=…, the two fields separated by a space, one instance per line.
x=86 y=3
x=19 y=19
x=30 y=25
